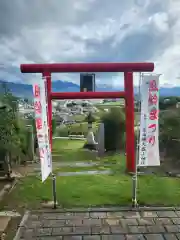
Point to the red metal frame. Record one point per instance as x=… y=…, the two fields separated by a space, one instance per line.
x=128 y=94
x=86 y=95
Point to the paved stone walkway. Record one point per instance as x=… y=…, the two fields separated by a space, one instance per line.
x=101 y=224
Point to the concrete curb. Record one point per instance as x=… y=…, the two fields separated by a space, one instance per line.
x=108 y=209
x=7 y=189
x=21 y=225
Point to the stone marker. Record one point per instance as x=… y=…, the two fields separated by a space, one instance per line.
x=100 y=139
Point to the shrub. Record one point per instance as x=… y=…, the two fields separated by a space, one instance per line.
x=114 y=127
x=169 y=133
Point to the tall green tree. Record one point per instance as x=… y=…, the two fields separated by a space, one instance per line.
x=12 y=129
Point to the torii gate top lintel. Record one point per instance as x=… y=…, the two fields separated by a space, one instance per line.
x=87 y=67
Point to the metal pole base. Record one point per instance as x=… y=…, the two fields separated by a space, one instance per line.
x=134 y=203
x=54 y=191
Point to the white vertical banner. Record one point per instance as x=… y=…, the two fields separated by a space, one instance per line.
x=42 y=129
x=149 y=123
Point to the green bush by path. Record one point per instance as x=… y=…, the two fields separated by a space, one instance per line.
x=114 y=126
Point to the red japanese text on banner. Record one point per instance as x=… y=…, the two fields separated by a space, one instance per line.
x=42 y=129
x=149 y=124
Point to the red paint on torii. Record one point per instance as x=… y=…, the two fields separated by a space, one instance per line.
x=128 y=93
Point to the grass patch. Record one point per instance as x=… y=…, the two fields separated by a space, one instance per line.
x=71 y=150
x=76 y=129
x=74 y=155
x=66 y=144
x=65 y=150
x=93 y=190
x=79 y=117
x=97 y=190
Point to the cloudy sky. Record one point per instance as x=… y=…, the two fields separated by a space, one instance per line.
x=37 y=31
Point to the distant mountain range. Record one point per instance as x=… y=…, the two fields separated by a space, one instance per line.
x=25 y=90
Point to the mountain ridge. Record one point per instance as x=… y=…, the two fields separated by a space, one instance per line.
x=25 y=90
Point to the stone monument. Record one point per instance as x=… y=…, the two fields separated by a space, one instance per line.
x=90 y=144
x=100 y=140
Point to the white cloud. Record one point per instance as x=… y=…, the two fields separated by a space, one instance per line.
x=91 y=30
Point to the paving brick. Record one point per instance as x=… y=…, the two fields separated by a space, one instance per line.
x=178 y=236
x=62 y=231
x=53 y=223
x=128 y=221
x=113 y=237
x=160 y=221
x=172 y=228
x=100 y=230
x=72 y=238
x=34 y=224
x=138 y=229
x=131 y=214
x=74 y=222
x=82 y=214
x=170 y=236
x=166 y=214
x=82 y=230
x=176 y=220
x=119 y=229
x=33 y=217
x=27 y=233
x=49 y=238
x=49 y=216
x=146 y=221
x=135 y=237
x=177 y=213
x=97 y=237
x=114 y=214
x=98 y=214
x=43 y=232
x=156 y=229
x=147 y=214
x=111 y=221
x=56 y=216
x=154 y=237
x=92 y=222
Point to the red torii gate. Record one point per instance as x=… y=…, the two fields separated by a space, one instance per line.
x=127 y=94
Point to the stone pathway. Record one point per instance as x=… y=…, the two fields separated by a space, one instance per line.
x=90 y=172
x=80 y=165
x=101 y=224
x=76 y=164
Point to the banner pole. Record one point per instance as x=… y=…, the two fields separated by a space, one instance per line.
x=54 y=190
x=135 y=175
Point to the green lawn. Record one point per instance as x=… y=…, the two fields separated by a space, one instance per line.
x=93 y=190
x=75 y=129
x=70 y=150
x=63 y=144
x=96 y=190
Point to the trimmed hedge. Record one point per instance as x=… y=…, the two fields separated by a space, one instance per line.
x=114 y=127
